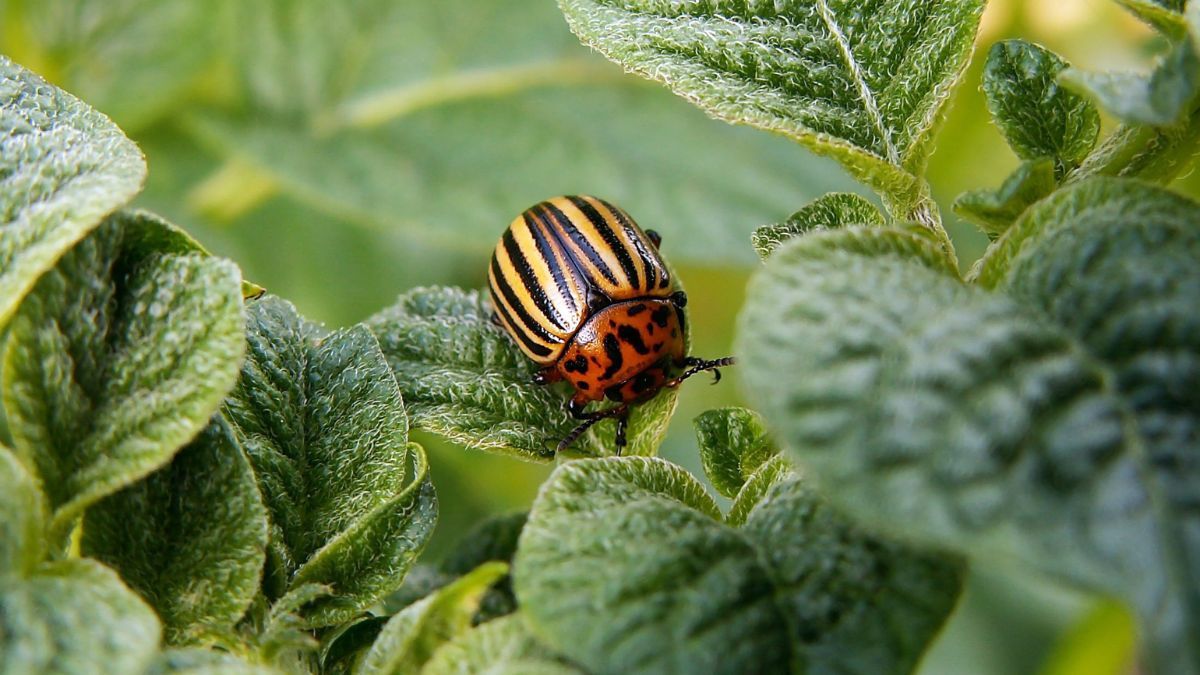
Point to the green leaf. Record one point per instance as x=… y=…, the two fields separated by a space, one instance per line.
x=65 y=167
x=733 y=444
x=410 y=637
x=831 y=211
x=74 y=616
x=638 y=542
x=190 y=538
x=995 y=211
x=777 y=469
x=323 y=423
x=491 y=540
x=1037 y=116
x=1130 y=252
x=117 y=358
x=504 y=646
x=464 y=378
x=1165 y=15
x=196 y=661
x=1014 y=432
x=910 y=243
x=1161 y=98
x=22 y=517
x=865 y=87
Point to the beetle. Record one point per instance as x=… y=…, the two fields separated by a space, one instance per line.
x=584 y=293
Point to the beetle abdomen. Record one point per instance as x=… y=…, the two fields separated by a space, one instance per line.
x=563 y=259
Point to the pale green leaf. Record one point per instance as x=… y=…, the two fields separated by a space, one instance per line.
x=912 y=243
x=777 y=469
x=22 y=517
x=65 y=167
x=463 y=377
x=1160 y=98
x=1165 y=15
x=863 y=84
x=410 y=638
x=117 y=358
x=831 y=211
x=638 y=542
x=1038 y=116
x=733 y=444
x=74 y=616
x=190 y=538
x=500 y=647
x=995 y=211
x=196 y=661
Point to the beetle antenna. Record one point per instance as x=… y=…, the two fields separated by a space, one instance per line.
x=615 y=411
x=699 y=366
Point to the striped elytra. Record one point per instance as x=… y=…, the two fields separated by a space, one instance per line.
x=585 y=294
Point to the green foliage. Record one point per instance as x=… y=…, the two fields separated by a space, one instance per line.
x=191 y=538
x=825 y=213
x=995 y=211
x=65 y=167
x=1028 y=439
x=116 y=358
x=21 y=517
x=865 y=88
x=500 y=647
x=1037 y=116
x=733 y=445
x=463 y=377
x=204 y=662
x=322 y=420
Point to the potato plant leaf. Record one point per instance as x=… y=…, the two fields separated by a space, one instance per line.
x=324 y=425
x=464 y=378
x=190 y=538
x=65 y=167
x=22 y=517
x=1165 y=15
x=503 y=646
x=834 y=210
x=638 y=541
x=118 y=357
x=733 y=444
x=1031 y=432
x=74 y=616
x=197 y=661
x=1037 y=115
x=862 y=84
x=995 y=211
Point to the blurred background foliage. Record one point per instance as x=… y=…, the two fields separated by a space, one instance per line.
x=344 y=152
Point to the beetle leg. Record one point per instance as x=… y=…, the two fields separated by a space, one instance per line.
x=654 y=237
x=496 y=319
x=700 y=367
x=622 y=426
x=621 y=412
x=576 y=406
x=546 y=375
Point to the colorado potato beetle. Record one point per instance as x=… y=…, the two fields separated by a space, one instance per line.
x=584 y=293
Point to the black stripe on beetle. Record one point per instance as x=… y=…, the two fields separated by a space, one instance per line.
x=604 y=227
x=541 y=237
x=568 y=228
x=528 y=279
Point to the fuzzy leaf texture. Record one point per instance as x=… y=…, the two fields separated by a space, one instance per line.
x=117 y=358
x=1165 y=15
x=638 y=541
x=324 y=425
x=864 y=83
x=995 y=211
x=409 y=638
x=65 y=167
x=1039 y=117
x=22 y=517
x=196 y=661
x=503 y=646
x=1032 y=433
x=74 y=616
x=191 y=538
x=824 y=213
x=464 y=378
x=733 y=444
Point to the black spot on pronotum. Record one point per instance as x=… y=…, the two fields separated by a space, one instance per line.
x=612 y=349
x=578 y=364
x=630 y=336
x=661 y=316
x=583 y=385
x=637 y=309
x=614 y=393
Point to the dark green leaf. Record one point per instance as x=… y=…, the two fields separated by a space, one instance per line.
x=117 y=358
x=493 y=539
x=638 y=542
x=500 y=647
x=410 y=637
x=65 y=167
x=463 y=377
x=74 y=616
x=1161 y=98
x=22 y=517
x=323 y=423
x=1035 y=113
x=865 y=87
x=190 y=538
x=995 y=211
x=834 y=210
x=733 y=444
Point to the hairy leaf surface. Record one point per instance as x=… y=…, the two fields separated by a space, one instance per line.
x=117 y=358
x=504 y=646
x=831 y=211
x=191 y=538
x=995 y=211
x=74 y=616
x=323 y=423
x=22 y=517
x=733 y=444
x=65 y=167
x=864 y=84
x=196 y=661
x=463 y=377
x=638 y=541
